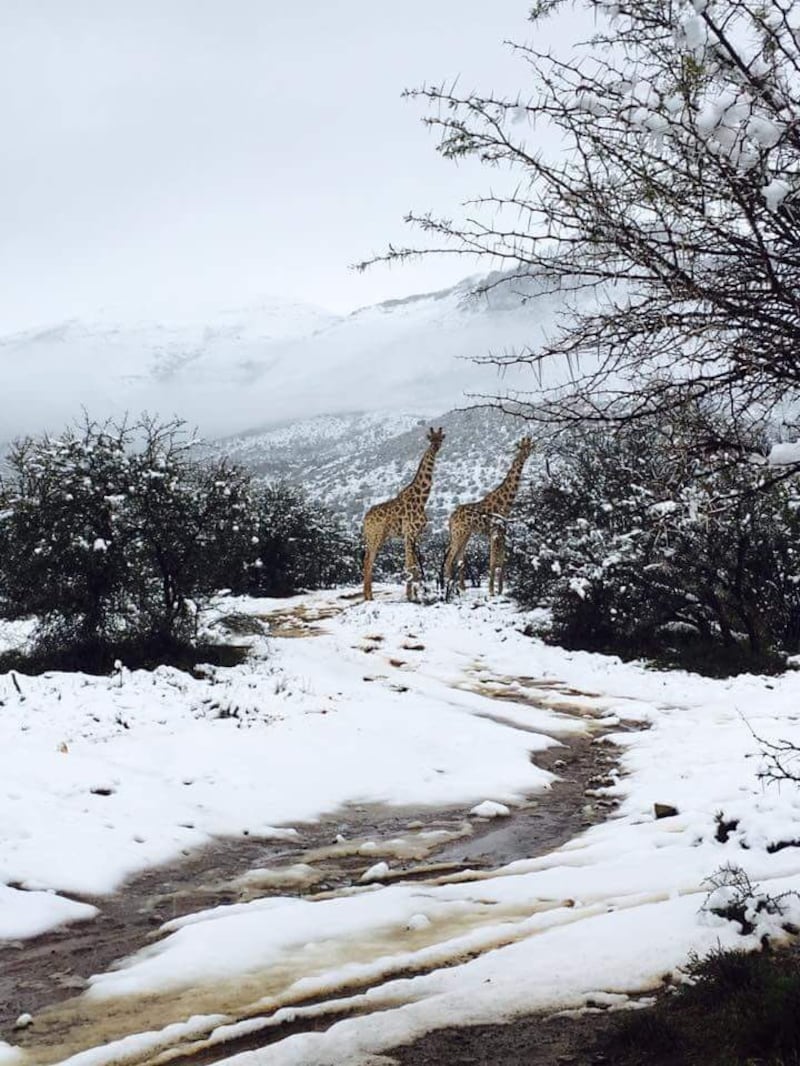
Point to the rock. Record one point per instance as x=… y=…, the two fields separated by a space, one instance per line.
x=664 y=810
x=23 y=1021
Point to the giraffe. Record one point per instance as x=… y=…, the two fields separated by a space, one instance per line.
x=403 y=516
x=487 y=516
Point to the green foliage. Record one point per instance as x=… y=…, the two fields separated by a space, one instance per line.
x=111 y=535
x=300 y=545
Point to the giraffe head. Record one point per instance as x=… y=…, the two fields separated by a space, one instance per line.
x=525 y=447
x=436 y=436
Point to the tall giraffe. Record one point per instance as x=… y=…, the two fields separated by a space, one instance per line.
x=403 y=516
x=486 y=516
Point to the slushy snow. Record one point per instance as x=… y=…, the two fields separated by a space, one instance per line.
x=102 y=777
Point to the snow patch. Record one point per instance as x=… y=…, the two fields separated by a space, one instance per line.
x=490 y=809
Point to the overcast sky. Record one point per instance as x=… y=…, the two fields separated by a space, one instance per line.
x=163 y=156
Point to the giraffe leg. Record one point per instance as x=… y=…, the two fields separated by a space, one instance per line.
x=500 y=562
x=373 y=541
x=492 y=560
x=454 y=564
x=449 y=560
x=412 y=567
x=369 y=559
x=461 y=565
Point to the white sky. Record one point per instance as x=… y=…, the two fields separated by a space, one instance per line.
x=162 y=156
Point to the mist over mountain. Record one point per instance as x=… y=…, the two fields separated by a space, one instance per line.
x=255 y=367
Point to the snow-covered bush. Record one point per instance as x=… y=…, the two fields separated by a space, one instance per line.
x=641 y=548
x=734 y=897
x=299 y=545
x=112 y=534
x=115 y=536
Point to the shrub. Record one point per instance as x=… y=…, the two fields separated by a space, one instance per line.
x=112 y=534
x=640 y=549
x=115 y=536
x=737 y=1008
x=300 y=545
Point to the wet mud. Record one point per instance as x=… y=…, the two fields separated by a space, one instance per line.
x=531 y=1040
x=53 y=967
x=44 y=976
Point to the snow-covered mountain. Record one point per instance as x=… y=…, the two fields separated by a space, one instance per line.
x=351 y=461
x=192 y=368
x=253 y=367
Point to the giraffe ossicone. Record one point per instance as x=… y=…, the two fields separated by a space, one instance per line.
x=402 y=516
x=488 y=517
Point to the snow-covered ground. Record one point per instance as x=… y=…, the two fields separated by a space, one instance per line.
x=386 y=703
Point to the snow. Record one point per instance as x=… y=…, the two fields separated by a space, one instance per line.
x=378 y=872
x=490 y=809
x=25 y=914
x=785 y=452
x=105 y=776
x=694 y=33
x=102 y=777
x=775 y=193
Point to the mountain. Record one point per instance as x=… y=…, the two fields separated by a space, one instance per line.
x=262 y=366
x=351 y=461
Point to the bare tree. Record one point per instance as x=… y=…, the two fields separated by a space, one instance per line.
x=670 y=219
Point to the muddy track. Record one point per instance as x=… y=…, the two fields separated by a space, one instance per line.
x=537 y=1040
x=50 y=968
x=531 y=1040
x=314 y=861
x=53 y=968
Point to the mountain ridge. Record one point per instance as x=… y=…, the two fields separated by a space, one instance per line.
x=266 y=364
x=349 y=462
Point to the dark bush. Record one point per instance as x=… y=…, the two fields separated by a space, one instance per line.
x=739 y=1008
x=300 y=545
x=115 y=536
x=112 y=537
x=641 y=549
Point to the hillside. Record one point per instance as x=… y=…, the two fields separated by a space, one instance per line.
x=351 y=461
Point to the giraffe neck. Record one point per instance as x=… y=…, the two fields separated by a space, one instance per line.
x=420 y=487
x=499 y=500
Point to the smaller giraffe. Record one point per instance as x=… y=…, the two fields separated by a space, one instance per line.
x=403 y=516
x=486 y=516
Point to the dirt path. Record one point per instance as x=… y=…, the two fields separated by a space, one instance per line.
x=44 y=976
x=51 y=969
x=532 y=1040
